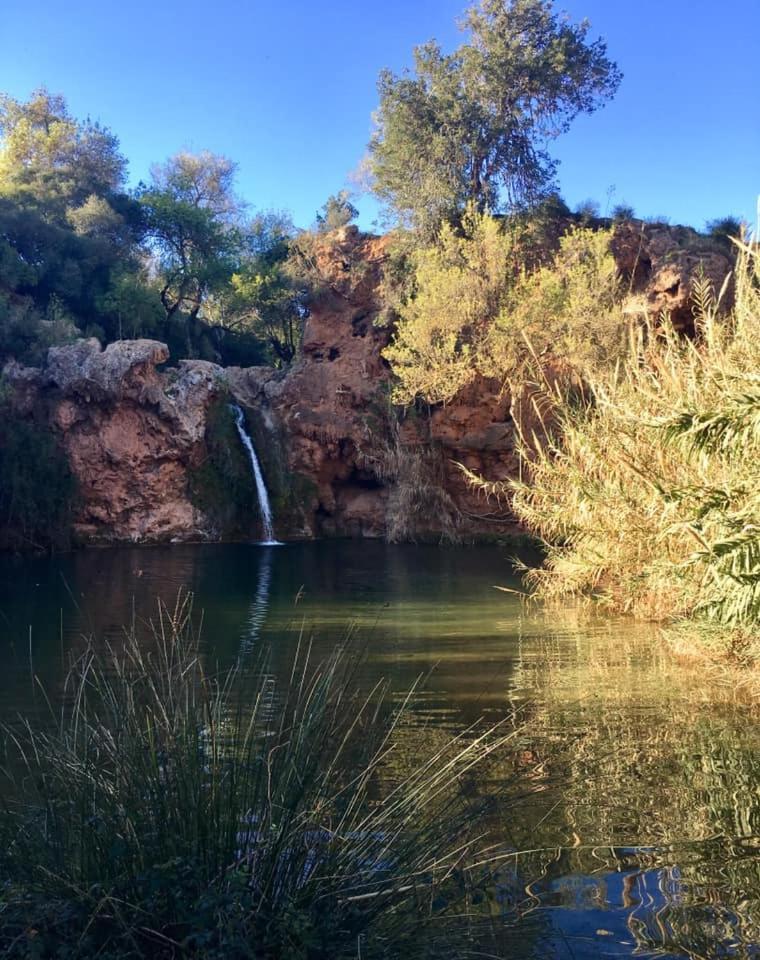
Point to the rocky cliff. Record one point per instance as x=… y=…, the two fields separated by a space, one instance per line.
x=131 y=434
x=155 y=457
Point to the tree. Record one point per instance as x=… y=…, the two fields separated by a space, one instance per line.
x=53 y=162
x=68 y=230
x=264 y=297
x=337 y=212
x=469 y=127
x=194 y=226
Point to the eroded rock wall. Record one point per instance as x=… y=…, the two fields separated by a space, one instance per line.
x=131 y=434
x=338 y=459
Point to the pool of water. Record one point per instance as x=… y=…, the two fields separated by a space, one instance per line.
x=637 y=777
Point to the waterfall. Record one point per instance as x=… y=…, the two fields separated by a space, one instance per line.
x=261 y=487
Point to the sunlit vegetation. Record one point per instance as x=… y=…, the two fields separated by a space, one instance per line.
x=476 y=309
x=647 y=497
x=470 y=126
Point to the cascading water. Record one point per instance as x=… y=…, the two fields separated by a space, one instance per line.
x=261 y=487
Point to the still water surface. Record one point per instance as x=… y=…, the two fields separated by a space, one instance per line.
x=638 y=776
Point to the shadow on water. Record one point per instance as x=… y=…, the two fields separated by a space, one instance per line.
x=639 y=817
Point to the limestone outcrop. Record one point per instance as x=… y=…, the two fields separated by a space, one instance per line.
x=130 y=432
x=369 y=472
x=663 y=265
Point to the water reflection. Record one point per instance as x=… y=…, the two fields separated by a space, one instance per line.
x=638 y=777
x=259 y=605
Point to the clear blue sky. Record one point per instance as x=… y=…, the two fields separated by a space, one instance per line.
x=286 y=89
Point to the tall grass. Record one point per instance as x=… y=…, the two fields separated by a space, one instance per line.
x=648 y=497
x=171 y=813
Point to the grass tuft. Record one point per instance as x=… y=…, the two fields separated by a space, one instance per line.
x=168 y=812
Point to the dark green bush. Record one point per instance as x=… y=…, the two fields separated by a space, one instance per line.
x=37 y=488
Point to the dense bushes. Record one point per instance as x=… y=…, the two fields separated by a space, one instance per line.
x=475 y=308
x=649 y=495
x=177 y=259
x=37 y=489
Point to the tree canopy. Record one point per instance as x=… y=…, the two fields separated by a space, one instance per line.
x=177 y=258
x=471 y=126
x=193 y=222
x=50 y=160
x=68 y=229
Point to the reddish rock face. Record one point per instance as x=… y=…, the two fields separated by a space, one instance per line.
x=131 y=433
x=662 y=264
x=373 y=476
x=376 y=475
x=338 y=459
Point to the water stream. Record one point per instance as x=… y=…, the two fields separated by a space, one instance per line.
x=261 y=487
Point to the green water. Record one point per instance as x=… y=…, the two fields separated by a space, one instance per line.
x=636 y=778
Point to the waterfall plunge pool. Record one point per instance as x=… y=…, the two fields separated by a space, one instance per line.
x=639 y=775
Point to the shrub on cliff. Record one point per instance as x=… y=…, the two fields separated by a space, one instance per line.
x=476 y=310
x=336 y=212
x=173 y=814
x=460 y=285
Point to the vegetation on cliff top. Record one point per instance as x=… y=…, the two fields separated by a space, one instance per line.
x=476 y=309
x=178 y=258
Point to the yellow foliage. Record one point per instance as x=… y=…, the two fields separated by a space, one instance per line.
x=570 y=309
x=461 y=283
x=479 y=311
x=649 y=498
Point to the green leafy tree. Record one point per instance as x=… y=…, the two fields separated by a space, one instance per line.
x=264 y=296
x=193 y=221
x=470 y=126
x=51 y=160
x=68 y=231
x=337 y=212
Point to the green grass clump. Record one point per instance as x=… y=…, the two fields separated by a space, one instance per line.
x=169 y=813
